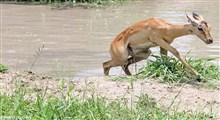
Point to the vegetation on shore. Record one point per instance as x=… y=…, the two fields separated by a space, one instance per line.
x=68 y=106
x=3 y=68
x=170 y=69
x=67 y=1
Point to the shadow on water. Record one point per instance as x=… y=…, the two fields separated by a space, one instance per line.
x=77 y=40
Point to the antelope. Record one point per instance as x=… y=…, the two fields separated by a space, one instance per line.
x=133 y=44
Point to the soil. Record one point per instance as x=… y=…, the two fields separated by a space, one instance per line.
x=184 y=97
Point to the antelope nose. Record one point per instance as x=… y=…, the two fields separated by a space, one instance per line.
x=211 y=40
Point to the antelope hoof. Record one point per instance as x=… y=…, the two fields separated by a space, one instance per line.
x=200 y=78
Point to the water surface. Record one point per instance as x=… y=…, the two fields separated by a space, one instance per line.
x=77 y=40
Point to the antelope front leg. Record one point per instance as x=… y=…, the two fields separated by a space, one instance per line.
x=166 y=46
x=163 y=51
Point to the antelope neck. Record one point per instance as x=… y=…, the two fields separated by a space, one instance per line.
x=179 y=30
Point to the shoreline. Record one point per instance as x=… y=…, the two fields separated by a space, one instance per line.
x=185 y=97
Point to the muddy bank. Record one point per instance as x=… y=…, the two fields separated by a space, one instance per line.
x=182 y=98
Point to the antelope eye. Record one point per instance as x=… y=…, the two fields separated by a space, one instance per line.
x=200 y=29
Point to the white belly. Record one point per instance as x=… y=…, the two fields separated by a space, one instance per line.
x=140 y=41
x=142 y=46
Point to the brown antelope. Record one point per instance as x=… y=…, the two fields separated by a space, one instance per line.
x=132 y=44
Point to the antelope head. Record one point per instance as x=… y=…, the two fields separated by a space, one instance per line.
x=201 y=27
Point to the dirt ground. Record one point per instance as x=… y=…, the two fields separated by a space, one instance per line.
x=183 y=98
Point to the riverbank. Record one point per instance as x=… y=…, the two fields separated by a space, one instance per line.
x=184 y=97
x=64 y=5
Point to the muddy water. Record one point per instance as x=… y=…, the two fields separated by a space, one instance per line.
x=77 y=40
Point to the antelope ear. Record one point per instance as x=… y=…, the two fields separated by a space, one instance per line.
x=197 y=16
x=191 y=20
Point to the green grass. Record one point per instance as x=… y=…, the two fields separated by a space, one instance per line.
x=3 y=68
x=169 y=69
x=71 y=107
x=68 y=1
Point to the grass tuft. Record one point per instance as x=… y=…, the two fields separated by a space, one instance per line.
x=3 y=68
x=169 y=69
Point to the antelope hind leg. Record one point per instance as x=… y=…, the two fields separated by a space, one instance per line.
x=142 y=55
x=106 y=67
